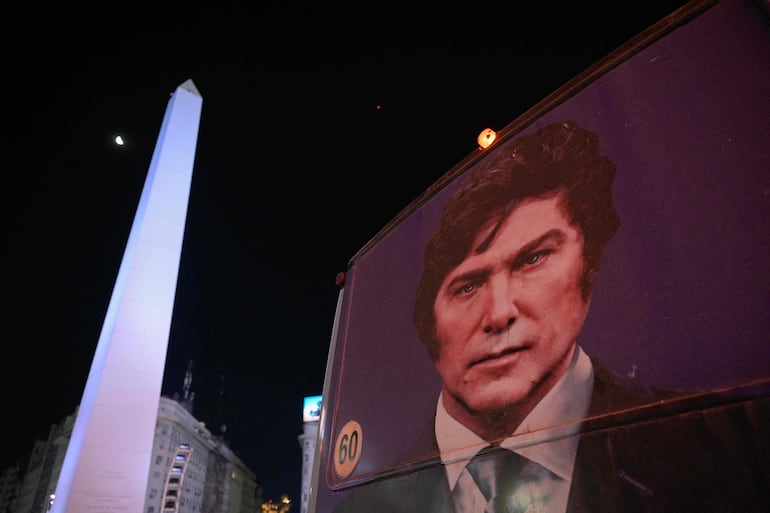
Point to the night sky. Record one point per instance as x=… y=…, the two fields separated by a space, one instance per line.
x=318 y=126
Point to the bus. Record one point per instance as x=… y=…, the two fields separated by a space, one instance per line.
x=448 y=344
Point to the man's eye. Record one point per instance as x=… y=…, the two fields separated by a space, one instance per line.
x=466 y=289
x=533 y=258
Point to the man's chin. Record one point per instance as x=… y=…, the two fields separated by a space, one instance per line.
x=496 y=417
x=497 y=400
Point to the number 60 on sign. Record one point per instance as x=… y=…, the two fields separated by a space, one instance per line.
x=347 y=449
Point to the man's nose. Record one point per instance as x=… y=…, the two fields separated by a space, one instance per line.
x=501 y=307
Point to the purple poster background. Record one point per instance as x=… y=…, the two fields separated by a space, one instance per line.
x=682 y=297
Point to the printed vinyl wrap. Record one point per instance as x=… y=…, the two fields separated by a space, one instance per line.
x=681 y=299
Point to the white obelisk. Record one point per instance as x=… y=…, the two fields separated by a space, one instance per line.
x=108 y=458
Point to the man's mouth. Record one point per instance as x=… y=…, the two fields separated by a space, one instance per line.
x=497 y=355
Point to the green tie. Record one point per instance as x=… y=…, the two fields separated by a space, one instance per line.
x=495 y=471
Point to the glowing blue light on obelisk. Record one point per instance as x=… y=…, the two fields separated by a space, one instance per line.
x=107 y=462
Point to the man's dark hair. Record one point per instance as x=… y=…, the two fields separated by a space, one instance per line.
x=560 y=158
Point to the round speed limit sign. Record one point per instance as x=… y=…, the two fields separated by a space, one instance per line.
x=347 y=449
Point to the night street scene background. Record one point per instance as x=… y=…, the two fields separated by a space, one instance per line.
x=319 y=124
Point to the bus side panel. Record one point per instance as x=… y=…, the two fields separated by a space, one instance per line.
x=680 y=303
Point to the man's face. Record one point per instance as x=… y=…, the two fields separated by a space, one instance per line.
x=507 y=319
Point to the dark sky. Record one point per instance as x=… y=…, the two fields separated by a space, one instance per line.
x=319 y=124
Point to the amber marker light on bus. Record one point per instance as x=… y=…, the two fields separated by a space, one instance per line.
x=486 y=138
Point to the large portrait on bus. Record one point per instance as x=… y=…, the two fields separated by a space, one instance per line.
x=575 y=318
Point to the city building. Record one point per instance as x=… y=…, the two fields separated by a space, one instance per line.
x=10 y=484
x=192 y=471
x=282 y=506
x=311 y=415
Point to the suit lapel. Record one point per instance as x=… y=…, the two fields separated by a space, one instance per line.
x=431 y=492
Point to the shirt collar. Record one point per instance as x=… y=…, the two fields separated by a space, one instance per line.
x=555 y=419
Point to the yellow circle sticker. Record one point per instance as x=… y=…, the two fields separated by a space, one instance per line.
x=347 y=449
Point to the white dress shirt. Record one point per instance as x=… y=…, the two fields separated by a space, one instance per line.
x=547 y=437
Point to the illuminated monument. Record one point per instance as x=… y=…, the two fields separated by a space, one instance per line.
x=107 y=461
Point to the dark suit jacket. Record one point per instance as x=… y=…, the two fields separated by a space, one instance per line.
x=654 y=453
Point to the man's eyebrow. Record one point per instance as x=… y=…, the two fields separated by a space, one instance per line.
x=554 y=235
x=473 y=276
